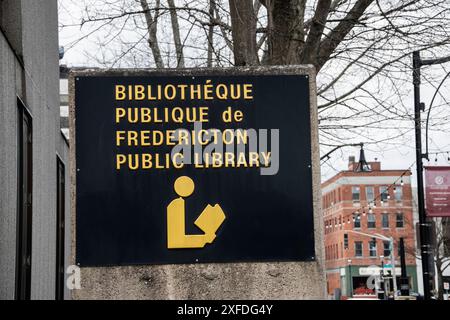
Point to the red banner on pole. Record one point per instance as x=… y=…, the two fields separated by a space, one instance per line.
x=437 y=191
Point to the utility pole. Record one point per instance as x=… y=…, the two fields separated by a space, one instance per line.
x=425 y=247
x=425 y=226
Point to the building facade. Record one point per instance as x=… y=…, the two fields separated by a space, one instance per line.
x=34 y=206
x=364 y=208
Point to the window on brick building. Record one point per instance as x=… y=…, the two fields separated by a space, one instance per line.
x=384 y=194
x=398 y=194
x=355 y=194
x=386 y=248
x=373 y=248
x=357 y=222
x=385 y=220
x=371 y=221
x=399 y=223
x=345 y=240
x=370 y=194
x=358 y=248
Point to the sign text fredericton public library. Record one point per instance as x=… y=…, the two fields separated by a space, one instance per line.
x=178 y=114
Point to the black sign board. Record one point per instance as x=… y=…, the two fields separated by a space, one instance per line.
x=154 y=187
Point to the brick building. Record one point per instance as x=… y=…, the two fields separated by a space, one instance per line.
x=363 y=205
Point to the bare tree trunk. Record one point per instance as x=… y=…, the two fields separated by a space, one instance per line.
x=442 y=251
x=176 y=34
x=286 y=31
x=211 y=33
x=243 y=23
x=152 y=27
x=315 y=32
x=222 y=29
x=440 y=280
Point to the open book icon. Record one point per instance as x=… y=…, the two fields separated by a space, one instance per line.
x=209 y=221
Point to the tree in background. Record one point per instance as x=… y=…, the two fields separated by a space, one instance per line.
x=441 y=250
x=361 y=49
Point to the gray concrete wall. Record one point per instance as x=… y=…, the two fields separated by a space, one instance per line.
x=9 y=67
x=36 y=82
x=11 y=22
x=280 y=280
x=40 y=51
x=63 y=153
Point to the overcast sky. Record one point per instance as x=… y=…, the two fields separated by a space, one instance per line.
x=392 y=154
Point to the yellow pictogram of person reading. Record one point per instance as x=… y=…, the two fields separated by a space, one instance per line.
x=209 y=220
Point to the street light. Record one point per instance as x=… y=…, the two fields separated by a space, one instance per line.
x=327 y=156
x=424 y=232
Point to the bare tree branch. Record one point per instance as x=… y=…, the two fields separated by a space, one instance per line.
x=315 y=32
x=337 y=35
x=176 y=34
x=152 y=35
x=243 y=23
x=211 y=34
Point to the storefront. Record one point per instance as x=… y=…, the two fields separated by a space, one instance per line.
x=363 y=280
